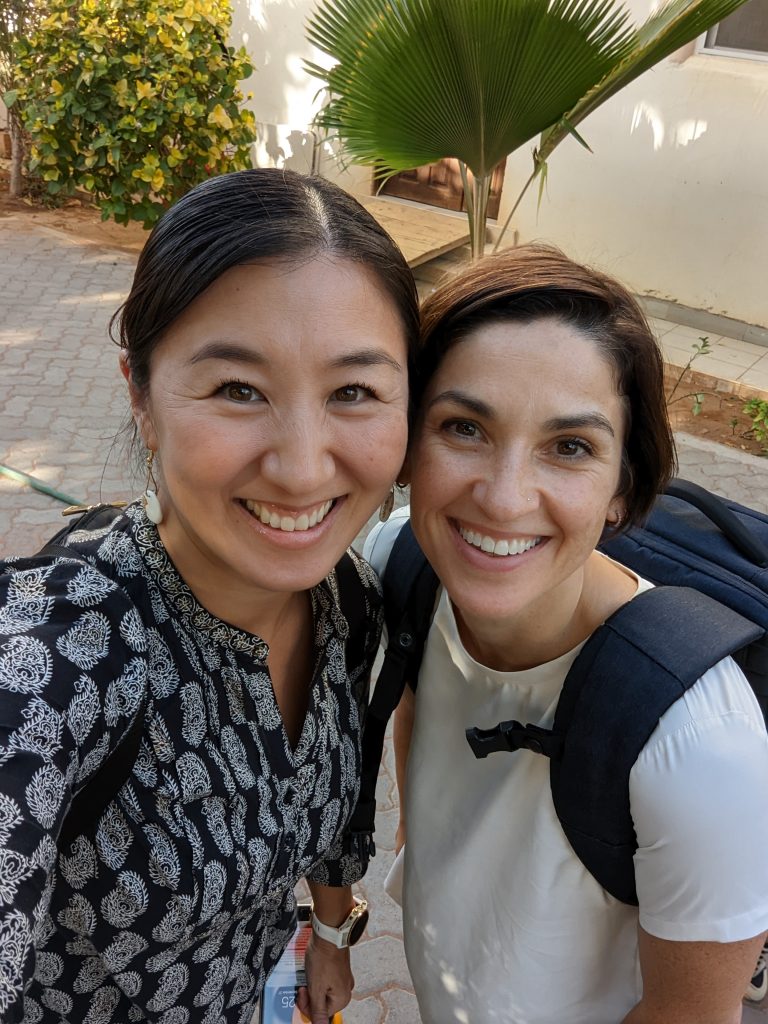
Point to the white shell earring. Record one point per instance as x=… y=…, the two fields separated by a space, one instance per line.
x=149 y=498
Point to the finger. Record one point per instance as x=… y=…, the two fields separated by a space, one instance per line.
x=318 y=1010
x=302 y=1003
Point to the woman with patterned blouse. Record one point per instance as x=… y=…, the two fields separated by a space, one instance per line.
x=265 y=343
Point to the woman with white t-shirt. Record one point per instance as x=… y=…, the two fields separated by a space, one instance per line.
x=540 y=424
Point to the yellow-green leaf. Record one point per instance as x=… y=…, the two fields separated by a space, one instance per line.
x=220 y=117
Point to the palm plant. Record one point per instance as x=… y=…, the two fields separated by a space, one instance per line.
x=415 y=81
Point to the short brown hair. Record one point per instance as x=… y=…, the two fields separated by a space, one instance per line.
x=533 y=281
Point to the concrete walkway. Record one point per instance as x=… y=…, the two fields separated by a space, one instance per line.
x=62 y=404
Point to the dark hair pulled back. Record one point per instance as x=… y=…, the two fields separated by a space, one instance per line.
x=259 y=214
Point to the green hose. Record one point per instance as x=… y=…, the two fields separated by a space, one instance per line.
x=38 y=485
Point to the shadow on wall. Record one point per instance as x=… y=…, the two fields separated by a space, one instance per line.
x=286 y=147
x=285 y=97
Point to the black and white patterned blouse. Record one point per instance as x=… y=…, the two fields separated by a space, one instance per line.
x=174 y=906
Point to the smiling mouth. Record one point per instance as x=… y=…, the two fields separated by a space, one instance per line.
x=500 y=548
x=285 y=522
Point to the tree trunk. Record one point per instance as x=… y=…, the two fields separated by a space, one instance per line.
x=481 y=190
x=16 y=185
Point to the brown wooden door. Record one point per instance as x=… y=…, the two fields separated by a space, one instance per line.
x=439 y=185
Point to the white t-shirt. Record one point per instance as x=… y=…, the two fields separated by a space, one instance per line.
x=502 y=922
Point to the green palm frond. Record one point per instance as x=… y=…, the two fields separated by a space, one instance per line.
x=415 y=81
x=419 y=80
x=672 y=26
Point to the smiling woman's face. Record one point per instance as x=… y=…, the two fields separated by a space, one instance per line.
x=277 y=406
x=515 y=467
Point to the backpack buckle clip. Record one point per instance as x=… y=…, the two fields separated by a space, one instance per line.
x=511 y=736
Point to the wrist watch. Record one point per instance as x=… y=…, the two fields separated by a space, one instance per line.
x=349 y=931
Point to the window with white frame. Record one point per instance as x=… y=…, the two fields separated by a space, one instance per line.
x=742 y=34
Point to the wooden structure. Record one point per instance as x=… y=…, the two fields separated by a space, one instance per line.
x=439 y=184
x=421 y=233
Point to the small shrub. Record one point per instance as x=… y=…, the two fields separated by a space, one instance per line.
x=134 y=101
x=700 y=348
x=757 y=410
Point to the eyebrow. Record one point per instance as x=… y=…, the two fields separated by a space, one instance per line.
x=367 y=357
x=233 y=353
x=578 y=421
x=228 y=351
x=473 y=405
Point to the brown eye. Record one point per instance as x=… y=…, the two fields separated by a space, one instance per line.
x=463 y=429
x=572 y=448
x=567 y=448
x=241 y=393
x=352 y=393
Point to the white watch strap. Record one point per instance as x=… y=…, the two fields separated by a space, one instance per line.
x=324 y=931
x=339 y=937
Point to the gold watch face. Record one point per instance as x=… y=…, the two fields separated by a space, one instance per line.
x=358 y=926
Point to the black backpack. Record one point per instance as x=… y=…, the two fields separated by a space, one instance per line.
x=715 y=556
x=92 y=799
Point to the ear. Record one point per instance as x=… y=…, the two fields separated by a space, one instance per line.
x=139 y=407
x=404 y=476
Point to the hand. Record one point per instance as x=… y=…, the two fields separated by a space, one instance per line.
x=329 y=981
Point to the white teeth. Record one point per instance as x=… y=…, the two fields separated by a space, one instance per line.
x=289 y=524
x=498 y=547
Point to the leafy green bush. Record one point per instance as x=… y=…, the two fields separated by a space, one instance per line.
x=757 y=410
x=134 y=101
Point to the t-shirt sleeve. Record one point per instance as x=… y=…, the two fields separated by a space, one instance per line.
x=699 y=801
x=380 y=541
x=72 y=676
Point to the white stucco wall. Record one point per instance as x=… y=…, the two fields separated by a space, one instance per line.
x=674 y=198
x=284 y=96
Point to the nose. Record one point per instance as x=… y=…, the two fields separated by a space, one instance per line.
x=300 y=460
x=509 y=487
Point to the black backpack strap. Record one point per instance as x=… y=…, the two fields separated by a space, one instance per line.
x=92 y=800
x=717 y=511
x=629 y=672
x=626 y=676
x=410 y=586
x=352 y=602
x=93 y=518
x=350 y=587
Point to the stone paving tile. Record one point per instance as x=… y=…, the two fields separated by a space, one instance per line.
x=62 y=404
x=62 y=399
